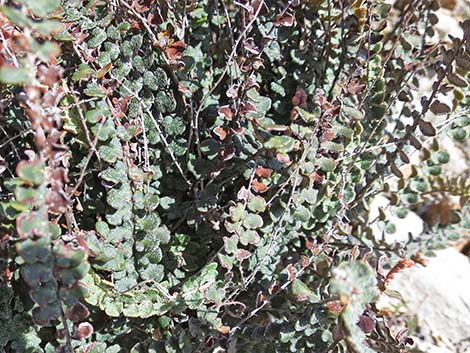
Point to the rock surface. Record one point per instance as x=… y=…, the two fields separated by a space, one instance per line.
x=438 y=295
x=410 y=225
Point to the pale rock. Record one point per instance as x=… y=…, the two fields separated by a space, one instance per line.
x=458 y=163
x=448 y=24
x=438 y=295
x=412 y=224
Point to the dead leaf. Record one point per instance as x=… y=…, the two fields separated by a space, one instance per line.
x=226 y=111
x=457 y=80
x=400 y=266
x=426 y=127
x=286 y=21
x=258 y=186
x=221 y=132
x=335 y=307
x=263 y=172
x=439 y=108
x=292 y=273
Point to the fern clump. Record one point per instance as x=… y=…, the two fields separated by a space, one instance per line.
x=194 y=175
